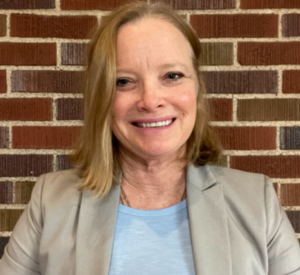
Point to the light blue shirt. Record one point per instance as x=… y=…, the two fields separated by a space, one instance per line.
x=152 y=242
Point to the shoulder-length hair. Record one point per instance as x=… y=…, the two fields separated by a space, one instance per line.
x=96 y=153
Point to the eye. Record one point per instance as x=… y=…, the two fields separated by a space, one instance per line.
x=174 y=76
x=122 y=82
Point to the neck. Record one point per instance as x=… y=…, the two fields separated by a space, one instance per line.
x=153 y=184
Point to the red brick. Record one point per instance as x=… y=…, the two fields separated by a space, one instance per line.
x=27 y=54
x=27 y=4
x=198 y=5
x=268 y=53
x=3 y=86
x=30 y=25
x=63 y=162
x=291 y=82
x=270 y=4
x=4 y=137
x=25 y=165
x=241 y=82
x=247 y=138
x=294 y=217
x=35 y=137
x=275 y=109
x=73 y=53
x=26 y=109
x=69 y=109
x=3 y=243
x=291 y=25
x=2 y=25
x=9 y=218
x=92 y=4
x=216 y=54
x=221 y=109
x=237 y=25
x=6 y=192
x=46 y=81
x=290 y=194
x=23 y=191
x=272 y=166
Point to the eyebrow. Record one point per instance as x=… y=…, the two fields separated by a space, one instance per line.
x=172 y=65
x=163 y=66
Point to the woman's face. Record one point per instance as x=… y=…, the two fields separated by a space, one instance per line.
x=155 y=107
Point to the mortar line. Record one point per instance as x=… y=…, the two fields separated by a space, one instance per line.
x=57 y=5
x=280 y=25
x=279 y=191
x=235 y=54
x=203 y=67
x=234 y=109
x=7 y=25
x=8 y=81
x=14 y=192
x=279 y=81
x=202 y=39
x=5 y=233
x=278 y=138
x=57 y=11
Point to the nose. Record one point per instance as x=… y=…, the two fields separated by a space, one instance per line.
x=151 y=97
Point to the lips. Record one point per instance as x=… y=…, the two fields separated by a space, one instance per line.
x=155 y=124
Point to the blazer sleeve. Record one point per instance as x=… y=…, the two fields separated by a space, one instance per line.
x=283 y=247
x=21 y=255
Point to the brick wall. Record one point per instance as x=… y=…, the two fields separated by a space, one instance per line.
x=251 y=59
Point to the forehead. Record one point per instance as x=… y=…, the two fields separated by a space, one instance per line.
x=152 y=37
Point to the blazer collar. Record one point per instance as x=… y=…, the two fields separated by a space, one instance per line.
x=95 y=233
x=208 y=226
x=208 y=222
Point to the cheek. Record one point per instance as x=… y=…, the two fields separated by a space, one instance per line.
x=187 y=101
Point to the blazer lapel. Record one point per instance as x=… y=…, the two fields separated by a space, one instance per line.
x=208 y=222
x=96 y=228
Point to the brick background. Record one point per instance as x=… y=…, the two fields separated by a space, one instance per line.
x=268 y=53
x=45 y=81
x=26 y=109
x=2 y=25
x=238 y=25
x=291 y=82
x=39 y=137
x=290 y=138
x=3 y=85
x=291 y=25
x=23 y=191
x=34 y=54
x=290 y=194
x=27 y=4
x=250 y=62
x=73 y=53
x=241 y=82
x=29 y=25
x=270 y=4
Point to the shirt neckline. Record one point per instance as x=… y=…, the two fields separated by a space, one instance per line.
x=153 y=213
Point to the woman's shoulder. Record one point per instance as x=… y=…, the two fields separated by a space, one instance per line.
x=58 y=188
x=237 y=179
x=243 y=187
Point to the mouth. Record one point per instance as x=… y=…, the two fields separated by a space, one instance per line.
x=158 y=124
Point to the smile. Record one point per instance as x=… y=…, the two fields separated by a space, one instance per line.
x=155 y=124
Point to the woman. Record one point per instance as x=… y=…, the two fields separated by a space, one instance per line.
x=144 y=148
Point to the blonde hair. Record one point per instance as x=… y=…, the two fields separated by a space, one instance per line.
x=96 y=154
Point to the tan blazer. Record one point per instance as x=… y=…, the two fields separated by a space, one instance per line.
x=237 y=227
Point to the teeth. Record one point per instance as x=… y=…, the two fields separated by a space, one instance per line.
x=155 y=124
